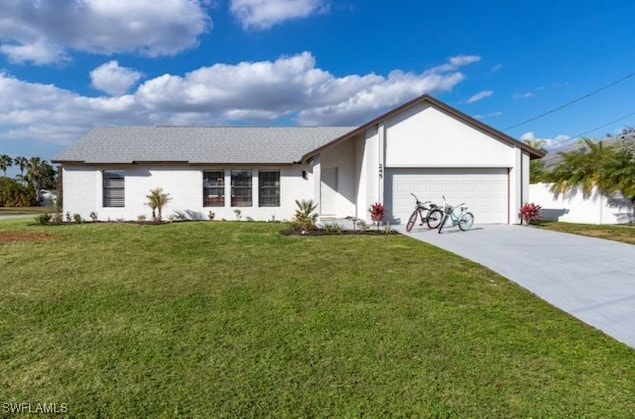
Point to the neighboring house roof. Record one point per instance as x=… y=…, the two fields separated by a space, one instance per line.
x=199 y=145
x=233 y=145
x=533 y=153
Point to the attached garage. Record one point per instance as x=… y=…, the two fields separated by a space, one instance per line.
x=485 y=191
x=431 y=149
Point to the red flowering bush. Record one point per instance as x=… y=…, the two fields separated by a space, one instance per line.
x=377 y=213
x=530 y=212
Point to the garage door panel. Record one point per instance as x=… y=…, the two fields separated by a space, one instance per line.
x=484 y=191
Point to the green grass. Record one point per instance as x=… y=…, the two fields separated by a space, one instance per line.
x=620 y=233
x=25 y=210
x=234 y=319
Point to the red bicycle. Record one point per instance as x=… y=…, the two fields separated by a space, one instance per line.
x=432 y=217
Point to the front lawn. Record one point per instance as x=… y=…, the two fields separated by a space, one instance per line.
x=621 y=233
x=235 y=319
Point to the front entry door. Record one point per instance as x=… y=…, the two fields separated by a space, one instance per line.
x=329 y=191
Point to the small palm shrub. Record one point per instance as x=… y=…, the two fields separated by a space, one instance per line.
x=156 y=201
x=93 y=216
x=530 y=212
x=305 y=217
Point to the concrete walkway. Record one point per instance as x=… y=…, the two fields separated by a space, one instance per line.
x=592 y=279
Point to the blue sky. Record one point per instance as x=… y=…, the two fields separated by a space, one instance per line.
x=69 y=65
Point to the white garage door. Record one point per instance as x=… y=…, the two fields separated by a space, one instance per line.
x=484 y=191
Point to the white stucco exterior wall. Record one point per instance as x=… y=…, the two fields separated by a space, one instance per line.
x=424 y=136
x=574 y=208
x=83 y=191
x=342 y=157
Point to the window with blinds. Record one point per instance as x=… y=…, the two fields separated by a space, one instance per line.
x=114 y=188
x=269 y=188
x=214 y=188
x=241 y=188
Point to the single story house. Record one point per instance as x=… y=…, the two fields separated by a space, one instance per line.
x=423 y=146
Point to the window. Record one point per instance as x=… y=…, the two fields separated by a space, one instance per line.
x=269 y=188
x=114 y=189
x=241 y=188
x=214 y=189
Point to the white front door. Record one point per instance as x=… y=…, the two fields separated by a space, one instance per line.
x=329 y=191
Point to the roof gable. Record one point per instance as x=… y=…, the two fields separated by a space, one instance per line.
x=533 y=153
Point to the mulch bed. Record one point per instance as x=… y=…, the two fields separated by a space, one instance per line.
x=22 y=236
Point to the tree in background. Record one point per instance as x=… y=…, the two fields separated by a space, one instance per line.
x=5 y=162
x=582 y=169
x=618 y=175
x=23 y=163
x=537 y=171
x=609 y=170
x=40 y=174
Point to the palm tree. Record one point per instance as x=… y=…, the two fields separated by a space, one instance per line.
x=538 y=144
x=37 y=169
x=156 y=201
x=22 y=162
x=5 y=162
x=618 y=175
x=609 y=170
x=537 y=172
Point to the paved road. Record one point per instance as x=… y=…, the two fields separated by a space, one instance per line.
x=17 y=217
x=592 y=279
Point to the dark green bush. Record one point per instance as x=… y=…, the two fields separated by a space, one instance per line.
x=13 y=194
x=43 y=219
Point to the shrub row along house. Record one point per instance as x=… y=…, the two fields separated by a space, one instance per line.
x=423 y=146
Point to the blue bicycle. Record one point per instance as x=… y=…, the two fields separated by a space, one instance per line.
x=464 y=219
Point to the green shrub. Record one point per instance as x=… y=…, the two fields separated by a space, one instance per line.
x=333 y=228
x=77 y=218
x=43 y=219
x=14 y=194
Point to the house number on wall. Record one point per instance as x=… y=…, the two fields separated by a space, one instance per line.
x=381 y=171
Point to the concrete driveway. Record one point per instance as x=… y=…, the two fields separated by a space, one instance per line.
x=592 y=279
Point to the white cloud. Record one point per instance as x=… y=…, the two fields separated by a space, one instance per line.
x=549 y=143
x=263 y=14
x=43 y=31
x=496 y=68
x=113 y=79
x=292 y=88
x=525 y=95
x=480 y=96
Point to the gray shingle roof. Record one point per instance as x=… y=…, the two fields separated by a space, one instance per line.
x=265 y=145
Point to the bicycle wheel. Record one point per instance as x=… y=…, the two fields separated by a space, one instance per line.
x=466 y=221
x=412 y=221
x=434 y=218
